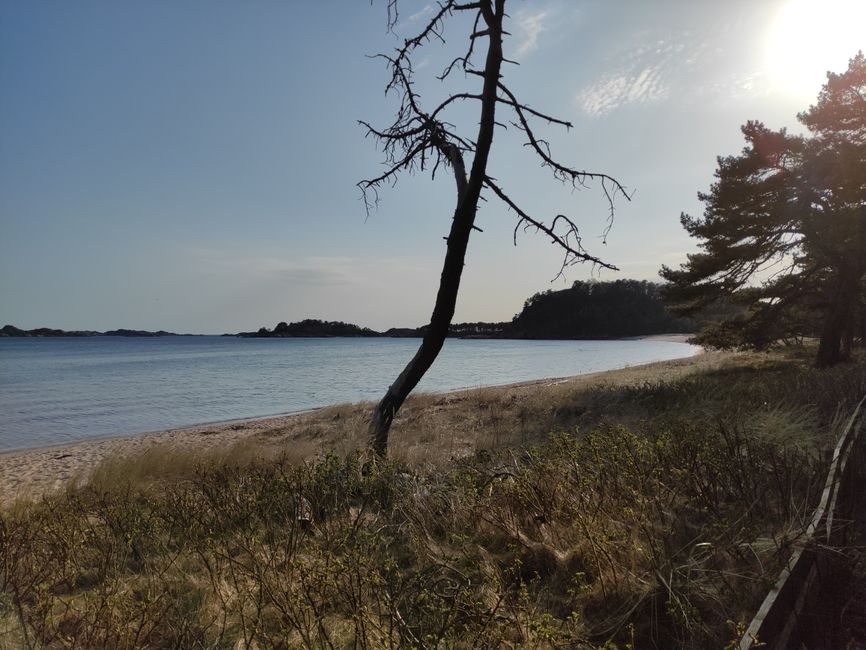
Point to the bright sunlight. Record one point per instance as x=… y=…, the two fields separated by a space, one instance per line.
x=808 y=38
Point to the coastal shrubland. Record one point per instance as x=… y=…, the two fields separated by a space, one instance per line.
x=650 y=512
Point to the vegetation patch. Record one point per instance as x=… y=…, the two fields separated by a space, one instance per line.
x=660 y=521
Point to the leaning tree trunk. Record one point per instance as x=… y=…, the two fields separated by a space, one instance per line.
x=468 y=194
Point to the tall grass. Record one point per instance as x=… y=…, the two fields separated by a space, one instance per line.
x=657 y=515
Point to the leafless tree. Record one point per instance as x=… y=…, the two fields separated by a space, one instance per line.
x=421 y=139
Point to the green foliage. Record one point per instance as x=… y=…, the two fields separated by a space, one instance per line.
x=787 y=211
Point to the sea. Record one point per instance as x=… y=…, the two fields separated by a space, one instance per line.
x=63 y=390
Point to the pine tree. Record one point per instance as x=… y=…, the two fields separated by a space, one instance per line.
x=784 y=229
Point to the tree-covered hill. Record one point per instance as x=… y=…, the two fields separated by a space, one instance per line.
x=592 y=310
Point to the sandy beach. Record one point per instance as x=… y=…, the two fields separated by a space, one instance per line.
x=29 y=473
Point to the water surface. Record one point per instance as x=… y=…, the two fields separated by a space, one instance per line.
x=61 y=390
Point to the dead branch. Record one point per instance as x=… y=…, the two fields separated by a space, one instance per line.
x=570 y=241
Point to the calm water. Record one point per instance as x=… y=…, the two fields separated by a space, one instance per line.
x=59 y=390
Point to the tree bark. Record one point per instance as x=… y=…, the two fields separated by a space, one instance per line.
x=837 y=333
x=468 y=194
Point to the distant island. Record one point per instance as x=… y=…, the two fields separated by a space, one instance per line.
x=12 y=331
x=309 y=328
x=586 y=310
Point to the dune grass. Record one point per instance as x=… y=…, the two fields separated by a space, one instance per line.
x=649 y=513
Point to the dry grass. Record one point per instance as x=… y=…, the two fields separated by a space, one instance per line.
x=435 y=428
x=645 y=512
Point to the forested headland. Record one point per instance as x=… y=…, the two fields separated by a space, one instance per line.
x=597 y=310
x=586 y=310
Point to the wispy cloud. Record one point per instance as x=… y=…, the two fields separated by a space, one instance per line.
x=737 y=85
x=423 y=13
x=528 y=27
x=644 y=76
x=315 y=272
x=412 y=20
x=307 y=271
x=688 y=65
x=629 y=87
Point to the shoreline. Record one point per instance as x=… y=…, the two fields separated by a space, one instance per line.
x=669 y=338
x=31 y=472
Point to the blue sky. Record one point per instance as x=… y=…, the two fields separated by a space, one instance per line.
x=191 y=165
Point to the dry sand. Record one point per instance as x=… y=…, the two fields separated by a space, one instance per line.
x=30 y=473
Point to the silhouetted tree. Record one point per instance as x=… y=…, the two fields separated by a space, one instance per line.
x=597 y=310
x=421 y=139
x=792 y=212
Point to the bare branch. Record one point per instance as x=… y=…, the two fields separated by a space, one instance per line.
x=550 y=119
x=464 y=60
x=489 y=15
x=430 y=32
x=560 y=171
x=451 y=99
x=569 y=241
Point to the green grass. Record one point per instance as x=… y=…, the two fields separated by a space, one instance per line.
x=653 y=515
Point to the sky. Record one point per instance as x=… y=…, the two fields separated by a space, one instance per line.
x=191 y=165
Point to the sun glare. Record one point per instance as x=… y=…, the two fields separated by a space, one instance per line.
x=809 y=37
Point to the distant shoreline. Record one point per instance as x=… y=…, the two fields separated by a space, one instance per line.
x=586 y=311
x=10 y=331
